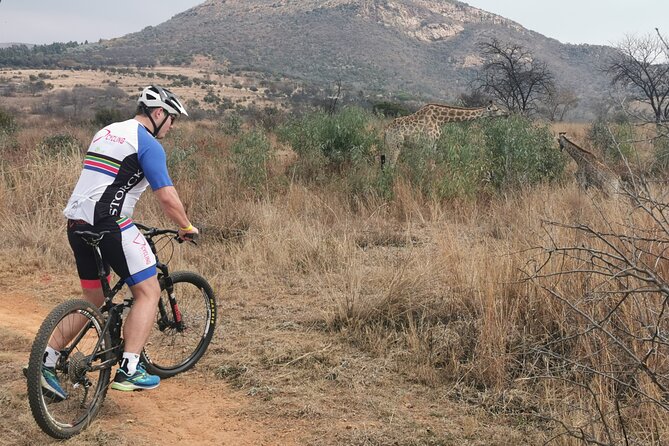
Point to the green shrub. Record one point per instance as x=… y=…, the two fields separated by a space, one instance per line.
x=105 y=116
x=338 y=139
x=7 y=122
x=615 y=140
x=182 y=162
x=661 y=151
x=231 y=124
x=521 y=153
x=467 y=165
x=474 y=157
x=60 y=143
x=251 y=155
x=391 y=109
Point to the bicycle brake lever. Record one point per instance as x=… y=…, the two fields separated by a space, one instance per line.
x=190 y=237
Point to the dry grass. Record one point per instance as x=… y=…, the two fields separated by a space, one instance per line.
x=409 y=315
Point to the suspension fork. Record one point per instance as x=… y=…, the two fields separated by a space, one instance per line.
x=166 y=283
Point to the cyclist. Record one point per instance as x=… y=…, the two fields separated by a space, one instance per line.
x=122 y=160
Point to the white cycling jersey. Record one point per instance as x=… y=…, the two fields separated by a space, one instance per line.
x=122 y=160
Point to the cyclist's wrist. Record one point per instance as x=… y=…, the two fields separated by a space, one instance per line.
x=188 y=228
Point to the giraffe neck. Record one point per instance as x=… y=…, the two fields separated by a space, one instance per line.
x=441 y=114
x=577 y=153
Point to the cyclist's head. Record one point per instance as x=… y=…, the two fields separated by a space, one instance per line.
x=154 y=97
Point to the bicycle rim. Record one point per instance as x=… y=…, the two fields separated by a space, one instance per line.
x=85 y=389
x=169 y=350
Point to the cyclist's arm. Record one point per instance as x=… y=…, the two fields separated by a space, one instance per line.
x=172 y=207
x=153 y=161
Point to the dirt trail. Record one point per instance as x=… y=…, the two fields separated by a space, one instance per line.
x=192 y=408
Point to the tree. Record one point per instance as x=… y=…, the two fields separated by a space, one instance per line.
x=558 y=104
x=641 y=68
x=513 y=76
x=476 y=98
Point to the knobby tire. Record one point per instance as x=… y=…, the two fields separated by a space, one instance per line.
x=170 y=351
x=86 y=390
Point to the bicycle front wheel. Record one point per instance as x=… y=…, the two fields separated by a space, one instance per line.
x=74 y=329
x=184 y=326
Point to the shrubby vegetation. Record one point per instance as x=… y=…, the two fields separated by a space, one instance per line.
x=615 y=139
x=483 y=156
x=105 y=116
x=251 y=156
x=60 y=144
x=7 y=122
x=333 y=141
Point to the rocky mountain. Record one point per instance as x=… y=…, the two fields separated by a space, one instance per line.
x=425 y=49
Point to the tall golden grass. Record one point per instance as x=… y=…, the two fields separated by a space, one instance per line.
x=439 y=289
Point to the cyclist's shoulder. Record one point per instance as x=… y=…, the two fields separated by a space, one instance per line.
x=147 y=144
x=117 y=133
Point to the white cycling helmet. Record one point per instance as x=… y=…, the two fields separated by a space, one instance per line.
x=154 y=96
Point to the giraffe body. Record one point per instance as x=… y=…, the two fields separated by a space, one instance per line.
x=427 y=123
x=590 y=172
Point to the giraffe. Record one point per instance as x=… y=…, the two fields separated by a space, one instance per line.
x=590 y=172
x=427 y=122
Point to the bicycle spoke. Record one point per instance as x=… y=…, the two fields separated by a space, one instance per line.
x=174 y=348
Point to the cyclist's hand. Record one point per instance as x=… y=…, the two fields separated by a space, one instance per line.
x=190 y=234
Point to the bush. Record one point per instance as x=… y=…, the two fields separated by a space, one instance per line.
x=105 y=116
x=7 y=122
x=231 y=124
x=615 y=140
x=521 y=153
x=390 y=109
x=472 y=157
x=339 y=139
x=251 y=155
x=661 y=151
x=468 y=166
x=60 y=143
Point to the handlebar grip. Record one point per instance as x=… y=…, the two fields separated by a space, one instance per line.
x=190 y=237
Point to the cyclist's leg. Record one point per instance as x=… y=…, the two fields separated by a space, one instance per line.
x=142 y=314
x=90 y=284
x=131 y=375
x=72 y=323
x=132 y=259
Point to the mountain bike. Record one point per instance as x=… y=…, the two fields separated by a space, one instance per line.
x=185 y=323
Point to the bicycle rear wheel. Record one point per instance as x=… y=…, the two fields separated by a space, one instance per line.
x=172 y=349
x=85 y=388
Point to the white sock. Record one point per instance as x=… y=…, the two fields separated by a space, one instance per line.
x=129 y=363
x=50 y=357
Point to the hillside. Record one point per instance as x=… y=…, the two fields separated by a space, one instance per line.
x=425 y=49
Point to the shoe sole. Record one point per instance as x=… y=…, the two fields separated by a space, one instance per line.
x=50 y=392
x=47 y=390
x=130 y=387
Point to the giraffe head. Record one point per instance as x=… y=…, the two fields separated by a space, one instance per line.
x=561 y=139
x=493 y=110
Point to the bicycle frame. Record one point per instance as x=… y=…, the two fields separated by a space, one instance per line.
x=114 y=320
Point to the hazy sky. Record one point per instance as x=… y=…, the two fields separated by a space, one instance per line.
x=602 y=22
x=570 y=21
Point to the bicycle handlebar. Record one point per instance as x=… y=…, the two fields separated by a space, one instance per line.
x=147 y=231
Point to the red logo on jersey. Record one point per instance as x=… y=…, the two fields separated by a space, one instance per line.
x=109 y=137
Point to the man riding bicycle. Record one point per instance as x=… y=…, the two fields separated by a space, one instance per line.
x=122 y=160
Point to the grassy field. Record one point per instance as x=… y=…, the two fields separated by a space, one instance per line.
x=379 y=315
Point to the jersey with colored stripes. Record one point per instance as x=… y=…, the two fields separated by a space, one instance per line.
x=121 y=162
